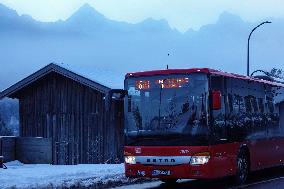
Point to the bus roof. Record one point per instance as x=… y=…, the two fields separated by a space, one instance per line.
x=201 y=70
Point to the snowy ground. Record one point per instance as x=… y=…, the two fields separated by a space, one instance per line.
x=20 y=175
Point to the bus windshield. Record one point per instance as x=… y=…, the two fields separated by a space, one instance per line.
x=167 y=110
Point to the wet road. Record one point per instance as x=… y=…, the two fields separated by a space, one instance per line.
x=265 y=179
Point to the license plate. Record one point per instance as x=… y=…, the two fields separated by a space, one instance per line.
x=161 y=172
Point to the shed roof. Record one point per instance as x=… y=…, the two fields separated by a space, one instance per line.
x=56 y=69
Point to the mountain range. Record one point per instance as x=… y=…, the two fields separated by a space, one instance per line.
x=90 y=42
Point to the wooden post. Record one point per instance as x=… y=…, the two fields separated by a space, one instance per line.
x=1 y=162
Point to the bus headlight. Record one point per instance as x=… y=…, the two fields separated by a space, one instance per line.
x=200 y=158
x=130 y=159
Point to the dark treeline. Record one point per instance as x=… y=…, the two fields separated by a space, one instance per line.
x=9 y=117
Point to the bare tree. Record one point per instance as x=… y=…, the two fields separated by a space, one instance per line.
x=276 y=73
x=4 y=131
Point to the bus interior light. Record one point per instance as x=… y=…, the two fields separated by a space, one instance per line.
x=130 y=160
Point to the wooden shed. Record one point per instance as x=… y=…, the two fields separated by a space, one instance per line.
x=57 y=103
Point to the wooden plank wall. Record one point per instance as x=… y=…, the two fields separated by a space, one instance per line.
x=73 y=115
x=34 y=150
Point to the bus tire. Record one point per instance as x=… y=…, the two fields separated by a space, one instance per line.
x=242 y=170
x=169 y=181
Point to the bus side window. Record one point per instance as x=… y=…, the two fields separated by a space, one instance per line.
x=270 y=105
x=239 y=118
x=272 y=114
x=218 y=116
x=281 y=115
x=230 y=103
x=238 y=104
x=248 y=104
x=260 y=105
x=254 y=105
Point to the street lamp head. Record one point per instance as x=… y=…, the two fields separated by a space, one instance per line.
x=266 y=22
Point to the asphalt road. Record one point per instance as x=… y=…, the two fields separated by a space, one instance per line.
x=265 y=179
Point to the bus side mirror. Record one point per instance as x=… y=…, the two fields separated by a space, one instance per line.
x=116 y=94
x=216 y=98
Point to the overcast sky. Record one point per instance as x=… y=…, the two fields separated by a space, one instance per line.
x=181 y=14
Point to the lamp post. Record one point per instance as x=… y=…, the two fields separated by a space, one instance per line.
x=266 y=22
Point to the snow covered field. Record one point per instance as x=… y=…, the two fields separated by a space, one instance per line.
x=20 y=175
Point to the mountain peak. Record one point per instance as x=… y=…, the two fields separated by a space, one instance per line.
x=86 y=8
x=86 y=12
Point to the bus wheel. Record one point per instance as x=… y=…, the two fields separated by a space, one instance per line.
x=242 y=167
x=169 y=181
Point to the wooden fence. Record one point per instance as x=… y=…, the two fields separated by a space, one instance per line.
x=26 y=149
x=34 y=150
x=8 y=148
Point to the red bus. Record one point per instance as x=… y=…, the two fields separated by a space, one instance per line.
x=201 y=124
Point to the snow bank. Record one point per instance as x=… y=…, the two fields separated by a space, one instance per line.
x=20 y=175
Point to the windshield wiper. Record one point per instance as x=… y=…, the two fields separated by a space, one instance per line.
x=155 y=138
x=140 y=139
